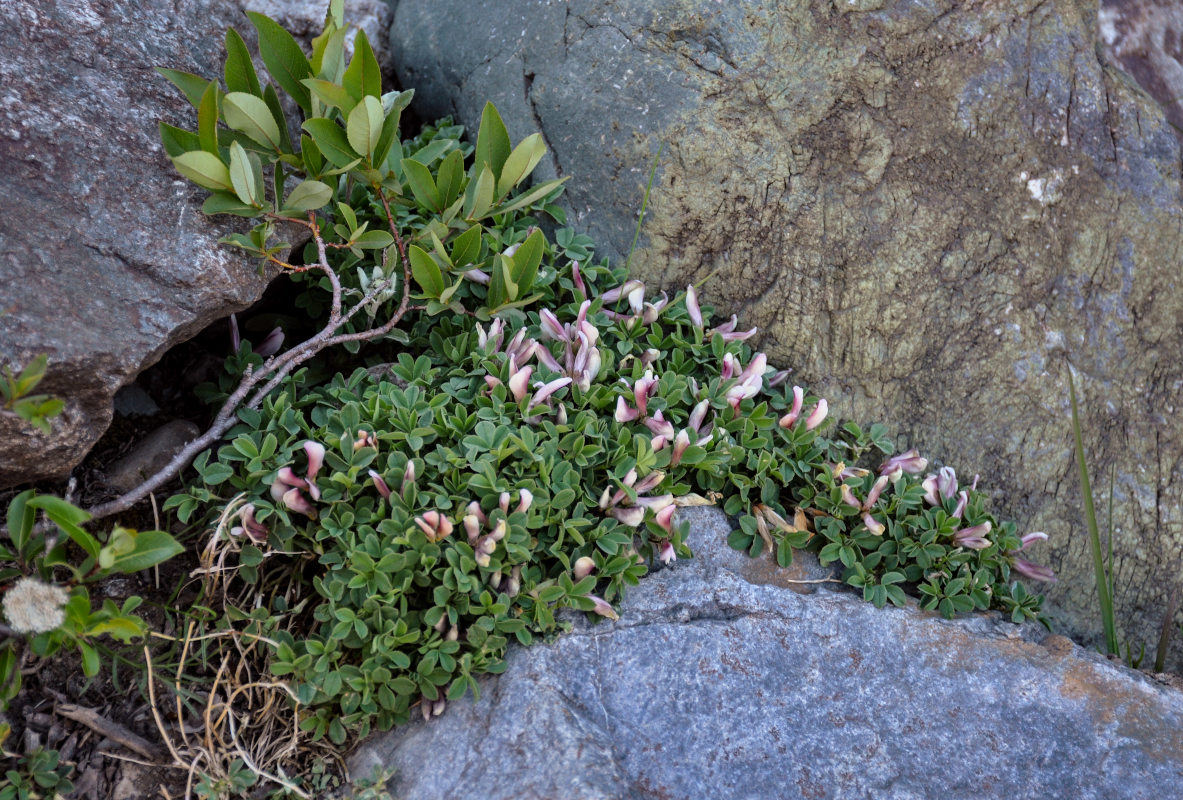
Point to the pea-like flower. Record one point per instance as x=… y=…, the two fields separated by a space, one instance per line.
x=973 y=538
x=729 y=334
x=789 y=419
x=665 y=552
x=692 y=306
x=819 y=414
x=435 y=525
x=910 y=462
x=584 y=566
x=1036 y=572
x=603 y=607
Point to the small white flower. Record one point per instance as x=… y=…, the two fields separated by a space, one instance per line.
x=35 y=607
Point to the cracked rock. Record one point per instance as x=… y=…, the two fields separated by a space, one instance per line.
x=717 y=684
x=106 y=260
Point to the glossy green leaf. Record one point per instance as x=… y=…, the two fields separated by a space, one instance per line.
x=150 y=548
x=450 y=178
x=422 y=184
x=373 y=240
x=192 y=86
x=426 y=272
x=177 y=140
x=492 y=142
x=271 y=98
x=227 y=203
x=328 y=54
x=122 y=628
x=91 y=663
x=313 y=161
x=480 y=195
x=240 y=70
x=365 y=126
x=284 y=59
x=529 y=198
x=242 y=177
x=525 y=261
x=207 y=119
x=331 y=94
x=68 y=517
x=520 y=163
x=204 y=169
x=331 y=141
x=363 y=78
x=249 y=114
x=467 y=247
x=385 y=146
x=20 y=519
x=309 y=196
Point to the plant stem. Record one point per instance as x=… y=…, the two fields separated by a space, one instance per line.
x=1103 y=580
x=644 y=204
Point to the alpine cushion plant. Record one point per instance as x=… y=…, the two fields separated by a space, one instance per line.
x=537 y=423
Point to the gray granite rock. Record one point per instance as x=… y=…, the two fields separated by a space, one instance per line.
x=724 y=679
x=105 y=258
x=928 y=208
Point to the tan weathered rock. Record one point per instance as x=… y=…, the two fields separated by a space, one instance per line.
x=929 y=210
x=1146 y=38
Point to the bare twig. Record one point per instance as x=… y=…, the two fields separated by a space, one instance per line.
x=256 y=385
x=112 y=730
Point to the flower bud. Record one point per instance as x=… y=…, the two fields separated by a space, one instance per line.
x=876 y=490
x=499 y=531
x=650 y=481
x=1036 y=572
x=603 y=608
x=798 y=401
x=379 y=484
x=818 y=415
x=584 y=566
x=632 y=516
x=256 y=530
x=503 y=502
x=494 y=579
x=665 y=518
x=472 y=527
x=298 y=503
x=692 y=306
x=873 y=525
x=519 y=382
x=316 y=456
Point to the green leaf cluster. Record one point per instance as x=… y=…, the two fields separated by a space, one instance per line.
x=16 y=394
x=389 y=595
x=72 y=557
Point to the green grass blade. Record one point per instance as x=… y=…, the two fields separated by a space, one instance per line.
x=1103 y=581
x=644 y=205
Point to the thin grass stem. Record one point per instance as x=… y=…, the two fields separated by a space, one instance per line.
x=1104 y=585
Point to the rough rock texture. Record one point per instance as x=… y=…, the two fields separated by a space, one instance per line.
x=105 y=258
x=928 y=208
x=1146 y=38
x=717 y=681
